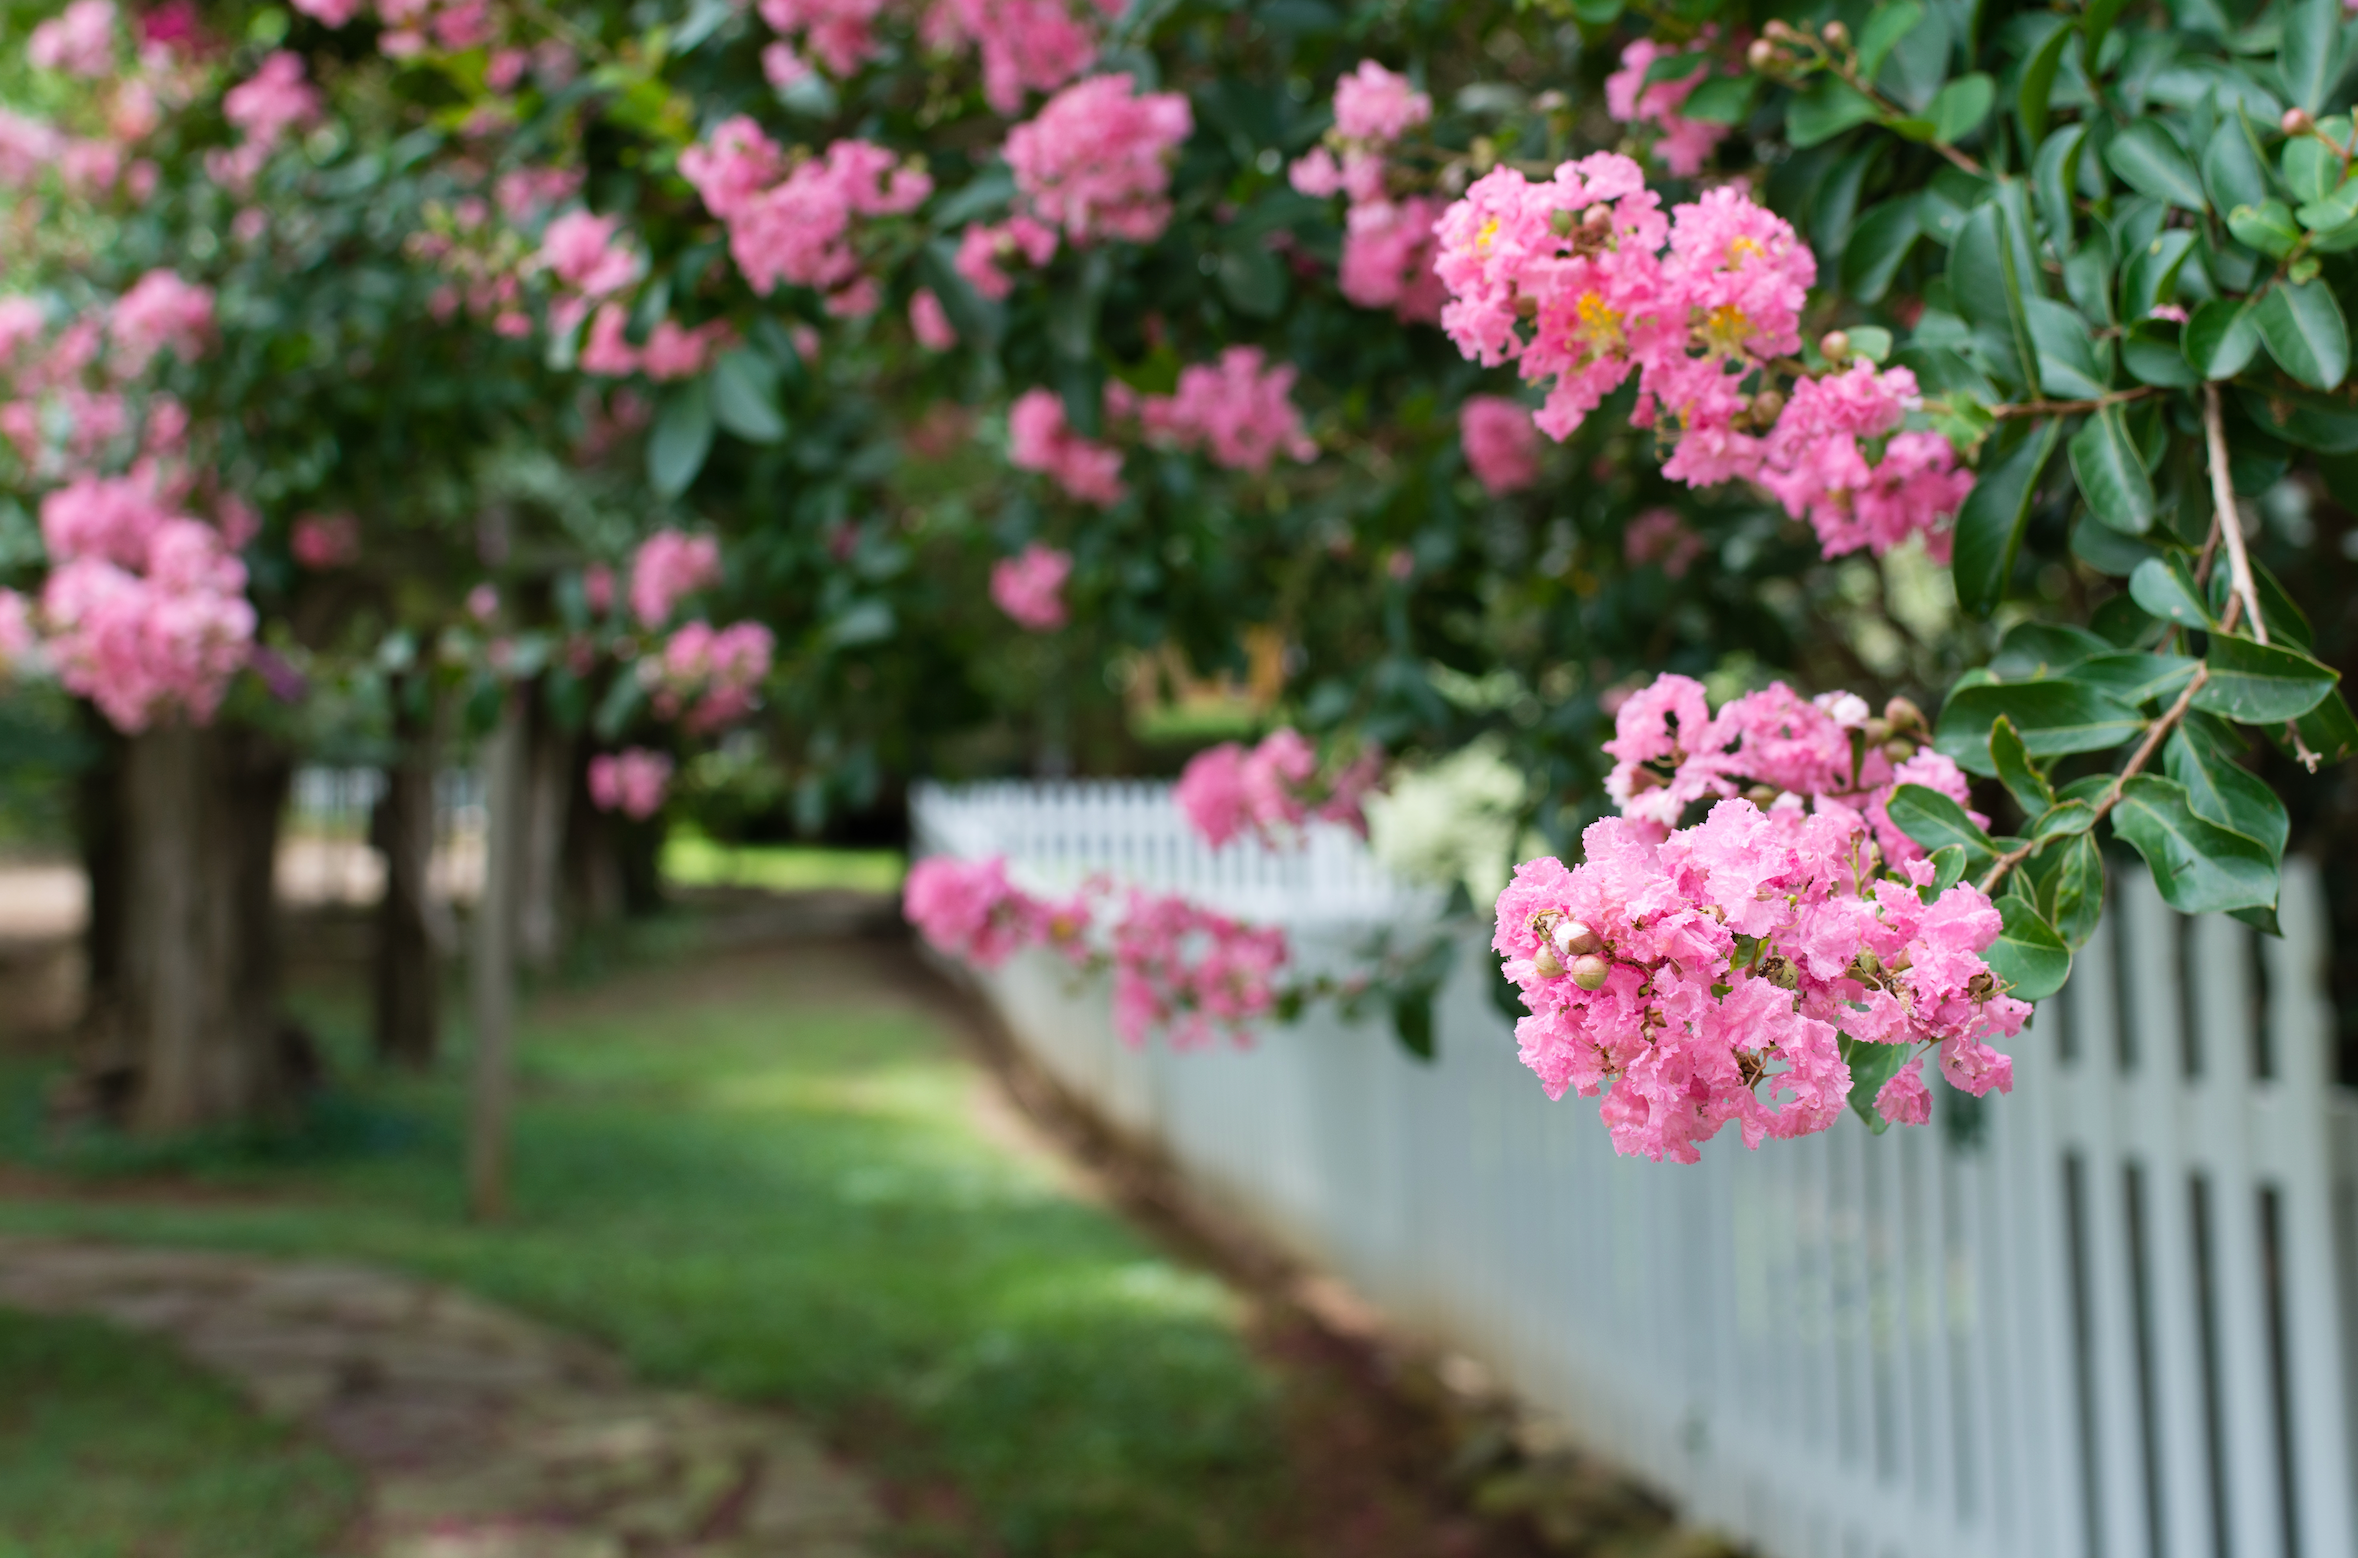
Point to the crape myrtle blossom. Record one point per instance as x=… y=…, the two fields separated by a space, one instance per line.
x=1684 y=144
x=669 y=565
x=1661 y=537
x=262 y=108
x=1029 y=586
x=707 y=677
x=1178 y=968
x=840 y=33
x=984 y=248
x=160 y=310
x=80 y=40
x=1581 y=281
x=1706 y=974
x=1501 y=445
x=1237 y=411
x=1269 y=791
x=1039 y=438
x=324 y=541
x=930 y=323
x=1387 y=259
x=632 y=782
x=1096 y=160
x=1026 y=45
x=792 y=221
x=19 y=641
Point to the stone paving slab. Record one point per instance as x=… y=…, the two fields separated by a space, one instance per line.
x=480 y=1433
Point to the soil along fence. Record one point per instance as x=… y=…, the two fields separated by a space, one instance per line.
x=2111 y=1315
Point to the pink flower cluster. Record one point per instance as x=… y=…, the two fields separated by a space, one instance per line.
x=707 y=677
x=672 y=351
x=632 y=781
x=1096 y=161
x=323 y=541
x=1685 y=144
x=159 y=311
x=984 y=248
x=668 y=565
x=1816 y=466
x=18 y=638
x=262 y=109
x=1039 y=438
x=1670 y=751
x=1029 y=586
x=1227 y=791
x=930 y=323
x=840 y=32
x=1026 y=45
x=1501 y=444
x=1236 y=410
x=1581 y=281
x=795 y=224
x=1707 y=973
x=1388 y=244
x=1709 y=976
x=80 y=40
x=145 y=609
x=1659 y=536
x=1177 y=967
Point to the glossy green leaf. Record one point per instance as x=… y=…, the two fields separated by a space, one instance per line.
x=2087 y=277
x=744 y=397
x=1871 y=1065
x=1948 y=869
x=2055 y=715
x=1984 y=283
x=1827 y=109
x=2095 y=23
x=2199 y=867
x=2165 y=587
x=2305 y=332
x=2150 y=275
x=2221 y=337
x=1721 y=100
x=2222 y=791
x=2311 y=169
x=2150 y=162
x=2072 y=897
x=2029 y=957
x=1990 y=523
x=681 y=439
x=1878 y=244
x=2150 y=350
x=2054 y=172
x=2111 y=473
x=1960 y=107
x=2312 y=55
x=1891 y=22
x=1253 y=279
x=2268 y=227
x=2260 y=684
x=2326 y=423
x=2062 y=820
x=2332 y=211
x=1935 y=821
x=2231 y=166
x=2137 y=679
x=2035 y=649
x=2067 y=351
x=2025 y=783
x=2038 y=84
x=2329 y=730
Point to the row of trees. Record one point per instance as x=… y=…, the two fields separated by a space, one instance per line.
x=1477 y=363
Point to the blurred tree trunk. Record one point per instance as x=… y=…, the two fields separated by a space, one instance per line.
x=410 y=937
x=184 y=1029
x=548 y=780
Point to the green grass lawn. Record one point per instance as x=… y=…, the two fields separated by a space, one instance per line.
x=693 y=860
x=112 y=1447
x=769 y=1175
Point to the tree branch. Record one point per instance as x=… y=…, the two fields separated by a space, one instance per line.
x=2239 y=564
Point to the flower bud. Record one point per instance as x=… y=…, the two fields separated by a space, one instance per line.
x=1836 y=34
x=1778 y=970
x=1776 y=29
x=1767 y=406
x=1903 y=715
x=1899 y=749
x=1761 y=55
x=1762 y=795
x=1559 y=222
x=2298 y=122
x=1866 y=968
x=1545 y=960
x=1877 y=731
x=1597 y=217
x=1835 y=344
x=1577 y=940
x=1550 y=102
x=1981 y=986
x=1591 y=972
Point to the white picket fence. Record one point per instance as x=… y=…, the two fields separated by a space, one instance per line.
x=2112 y=1315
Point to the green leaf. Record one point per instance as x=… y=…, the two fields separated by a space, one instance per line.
x=2221 y=336
x=1871 y=1065
x=2333 y=210
x=2165 y=587
x=1878 y=245
x=1872 y=342
x=2067 y=353
x=681 y=439
x=2097 y=21
x=2055 y=715
x=2150 y=350
x=1985 y=286
x=2261 y=684
x=1948 y=869
x=2306 y=334
x=1891 y=22
x=2087 y=277
x=2224 y=792
x=1412 y=1022
x=1825 y=111
x=2268 y=227
x=2026 y=784
x=2111 y=473
x=2063 y=820
x=2028 y=956
x=1674 y=67
x=1935 y=821
x=2150 y=162
x=744 y=399
x=2072 y=897
x=2032 y=649
x=2054 y=173
x=2231 y=166
x=2038 y=85
x=1990 y=523
x=2312 y=170
x=2328 y=730
x=1252 y=279
x=1960 y=107
x=2200 y=867
x=1721 y=100
x=2311 y=57
x=2151 y=274
x=2326 y=423
x=2136 y=679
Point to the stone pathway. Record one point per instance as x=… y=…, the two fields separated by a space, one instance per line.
x=481 y=1434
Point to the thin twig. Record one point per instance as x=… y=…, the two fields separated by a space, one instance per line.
x=2070 y=408
x=2239 y=565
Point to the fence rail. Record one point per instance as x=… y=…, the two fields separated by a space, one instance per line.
x=2110 y=1316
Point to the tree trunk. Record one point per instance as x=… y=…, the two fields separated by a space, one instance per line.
x=540 y=863
x=408 y=1029
x=492 y=965
x=185 y=1031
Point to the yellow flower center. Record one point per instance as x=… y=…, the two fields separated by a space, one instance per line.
x=1725 y=329
x=1741 y=248
x=1600 y=326
x=1482 y=238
